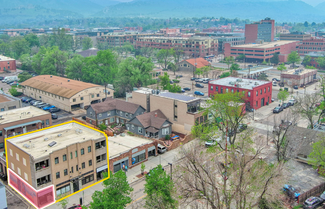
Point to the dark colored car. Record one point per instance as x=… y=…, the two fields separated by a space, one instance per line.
x=199 y=85
x=285 y=105
x=42 y=105
x=205 y=81
x=55 y=109
x=291 y=191
x=295 y=87
x=182 y=90
x=281 y=84
x=84 y=117
x=313 y=202
x=28 y=100
x=54 y=116
x=32 y=101
x=23 y=99
x=277 y=109
x=241 y=127
x=272 y=100
x=187 y=89
x=1 y=78
x=171 y=82
x=322 y=196
x=193 y=79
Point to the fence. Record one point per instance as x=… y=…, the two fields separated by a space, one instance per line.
x=316 y=191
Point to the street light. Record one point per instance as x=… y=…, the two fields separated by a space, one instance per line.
x=171 y=170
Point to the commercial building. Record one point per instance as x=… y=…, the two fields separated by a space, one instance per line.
x=113 y=111
x=191 y=46
x=169 y=31
x=64 y=93
x=7 y=64
x=19 y=121
x=181 y=110
x=153 y=124
x=295 y=36
x=262 y=52
x=220 y=29
x=262 y=30
x=8 y=102
x=258 y=93
x=69 y=157
x=314 y=56
x=299 y=77
x=191 y=65
x=313 y=44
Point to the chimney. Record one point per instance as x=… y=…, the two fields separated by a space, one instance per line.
x=155 y=114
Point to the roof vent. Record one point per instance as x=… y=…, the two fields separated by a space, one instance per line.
x=46 y=139
x=52 y=144
x=59 y=135
x=26 y=146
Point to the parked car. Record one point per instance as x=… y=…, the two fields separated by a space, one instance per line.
x=205 y=81
x=42 y=105
x=200 y=80
x=187 y=89
x=199 y=93
x=197 y=79
x=171 y=82
x=295 y=87
x=23 y=99
x=274 y=83
x=241 y=127
x=281 y=84
x=54 y=116
x=55 y=109
x=1 y=78
x=161 y=149
x=37 y=103
x=313 y=202
x=48 y=107
x=212 y=142
x=322 y=196
x=292 y=102
x=277 y=109
x=33 y=101
x=291 y=191
x=272 y=100
x=193 y=79
x=28 y=100
x=179 y=76
x=285 y=105
x=182 y=91
x=199 y=85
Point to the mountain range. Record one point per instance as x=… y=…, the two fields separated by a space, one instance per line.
x=16 y=11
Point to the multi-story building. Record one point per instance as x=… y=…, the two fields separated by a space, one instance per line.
x=262 y=30
x=113 y=111
x=7 y=64
x=181 y=110
x=299 y=77
x=314 y=56
x=8 y=102
x=281 y=30
x=19 y=121
x=68 y=156
x=313 y=44
x=295 y=36
x=169 y=31
x=220 y=29
x=258 y=93
x=262 y=52
x=191 y=46
x=64 y=93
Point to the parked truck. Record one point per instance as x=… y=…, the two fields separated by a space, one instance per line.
x=10 y=78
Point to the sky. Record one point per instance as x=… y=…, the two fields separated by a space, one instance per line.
x=313 y=2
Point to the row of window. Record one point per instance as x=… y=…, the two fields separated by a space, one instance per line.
x=232 y=90
x=45 y=93
x=19 y=171
x=311 y=43
x=64 y=157
x=65 y=171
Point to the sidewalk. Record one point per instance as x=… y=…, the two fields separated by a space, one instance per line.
x=163 y=159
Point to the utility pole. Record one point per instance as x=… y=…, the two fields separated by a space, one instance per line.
x=171 y=170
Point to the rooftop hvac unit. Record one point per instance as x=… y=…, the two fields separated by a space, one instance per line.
x=239 y=80
x=256 y=83
x=26 y=146
x=46 y=139
x=59 y=135
x=52 y=144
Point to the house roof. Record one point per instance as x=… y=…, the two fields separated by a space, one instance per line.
x=56 y=85
x=89 y=52
x=115 y=104
x=154 y=119
x=200 y=62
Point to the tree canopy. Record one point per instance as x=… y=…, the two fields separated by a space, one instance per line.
x=294 y=58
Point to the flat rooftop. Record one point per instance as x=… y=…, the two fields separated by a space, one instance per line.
x=120 y=144
x=264 y=45
x=21 y=114
x=179 y=97
x=7 y=98
x=253 y=70
x=4 y=58
x=37 y=144
x=239 y=82
x=299 y=71
x=177 y=38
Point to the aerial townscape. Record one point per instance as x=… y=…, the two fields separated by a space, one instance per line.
x=151 y=104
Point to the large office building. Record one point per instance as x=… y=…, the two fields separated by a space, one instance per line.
x=262 y=52
x=7 y=64
x=258 y=93
x=262 y=30
x=191 y=46
x=64 y=93
x=313 y=44
x=294 y=36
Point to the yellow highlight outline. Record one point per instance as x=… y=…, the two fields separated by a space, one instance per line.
x=72 y=121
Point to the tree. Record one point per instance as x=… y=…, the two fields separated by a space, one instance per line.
x=306 y=24
x=316 y=157
x=128 y=47
x=102 y=45
x=76 y=44
x=281 y=67
x=172 y=67
x=225 y=74
x=229 y=60
x=282 y=95
x=262 y=76
x=74 y=67
x=115 y=194
x=178 y=55
x=13 y=91
x=5 y=48
x=32 y=40
x=321 y=62
x=160 y=190
x=20 y=47
x=87 y=43
x=165 y=84
x=37 y=60
x=275 y=59
x=24 y=76
x=234 y=67
x=294 y=58
x=60 y=39
x=306 y=61
x=241 y=57
x=146 y=51
x=164 y=57
x=54 y=62
x=26 y=62
x=63 y=203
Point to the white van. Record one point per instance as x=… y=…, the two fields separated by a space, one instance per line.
x=10 y=78
x=274 y=83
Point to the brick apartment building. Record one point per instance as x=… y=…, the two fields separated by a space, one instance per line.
x=192 y=46
x=181 y=110
x=314 y=56
x=258 y=93
x=262 y=52
x=313 y=44
x=262 y=30
x=7 y=64
x=220 y=29
x=169 y=31
x=295 y=36
x=299 y=77
x=18 y=121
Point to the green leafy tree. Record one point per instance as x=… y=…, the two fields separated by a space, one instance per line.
x=225 y=74
x=102 y=126
x=241 y=57
x=13 y=91
x=76 y=44
x=87 y=43
x=281 y=67
x=178 y=55
x=164 y=57
x=316 y=157
x=234 y=67
x=283 y=95
x=229 y=60
x=172 y=67
x=160 y=190
x=115 y=195
x=306 y=61
x=5 y=48
x=32 y=40
x=54 y=62
x=26 y=62
x=37 y=60
x=24 y=76
x=102 y=45
x=294 y=58
x=310 y=67
x=61 y=39
x=321 y=62
x=20 y=47
x=128 y=47
x=275 y=59
x=74 y=67
x=165 y=81
x=264 y=62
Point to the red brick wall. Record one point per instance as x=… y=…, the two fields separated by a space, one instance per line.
x=251 y=33
x=4 y=64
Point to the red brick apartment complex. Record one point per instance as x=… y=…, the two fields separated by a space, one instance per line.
x=192 y=46
x=7 y=64
x=262 y=52
x=258 y=93
x=314 y=44
x=262 y=30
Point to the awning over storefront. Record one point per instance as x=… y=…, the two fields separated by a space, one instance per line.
x=21 y=125
x=101 y=168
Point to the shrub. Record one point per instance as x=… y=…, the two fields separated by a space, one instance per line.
x=176 y=81
x=167 y=137
x=13 y=91
x=226 y=74
x=102 y=127
x=165 y=69
x=130 y=133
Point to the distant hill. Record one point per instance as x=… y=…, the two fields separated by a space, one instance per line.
x=290 y=10
x=320 y=6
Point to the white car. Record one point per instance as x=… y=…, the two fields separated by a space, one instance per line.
x=38 y=103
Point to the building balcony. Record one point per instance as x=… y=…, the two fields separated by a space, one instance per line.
x=41 y=165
